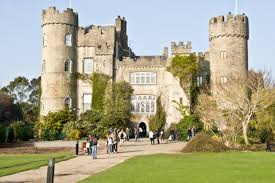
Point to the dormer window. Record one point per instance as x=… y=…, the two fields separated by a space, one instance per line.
x=68 y=39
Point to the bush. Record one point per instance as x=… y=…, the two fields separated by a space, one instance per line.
x=74 y=134
x=186 y=123
x=204 y=143
x=51 y=126
x=2 y=134
x=21 y=130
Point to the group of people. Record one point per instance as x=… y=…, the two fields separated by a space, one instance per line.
x=113 y=137
x=158 y=134
x=117 y=137
x=91 y=146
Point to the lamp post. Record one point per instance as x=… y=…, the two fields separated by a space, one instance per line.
x=75 y=112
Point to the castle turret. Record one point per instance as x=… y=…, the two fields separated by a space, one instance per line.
x=228 y=37
x=181 y=48
x=59 y=55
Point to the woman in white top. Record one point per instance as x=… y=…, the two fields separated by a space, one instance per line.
x=151 y=136
x=110 y=144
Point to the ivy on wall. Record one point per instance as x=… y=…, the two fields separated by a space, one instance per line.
x=186 y=69
x=99 y=82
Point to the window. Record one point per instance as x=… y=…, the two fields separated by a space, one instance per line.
x=68 y=39
x=68 y=65
x=67 y=102
x=223 y=55
x=88 y=66
x=223 y=79
x=143 y=78
x=144 y=104
x=199 y=81
x=87 y=101
x=45 y=40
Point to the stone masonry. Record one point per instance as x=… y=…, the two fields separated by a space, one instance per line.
x=66 y=45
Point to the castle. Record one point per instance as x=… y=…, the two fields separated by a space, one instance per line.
x=69 y=49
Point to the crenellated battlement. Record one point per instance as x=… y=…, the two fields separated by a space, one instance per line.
x=229 y=26
x=181 y=48
x=53 y=16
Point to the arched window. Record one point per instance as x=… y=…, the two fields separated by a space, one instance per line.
x=44 y=39
x=68 y=39
x=68 y=65
x=67 y=102
x=143 y=104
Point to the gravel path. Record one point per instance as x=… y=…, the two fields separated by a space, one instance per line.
x=81 y=167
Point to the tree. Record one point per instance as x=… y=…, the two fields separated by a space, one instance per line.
x=19 y=89
x=157 y=122
x=117 y=104
x=243 y=97
x=8 y=110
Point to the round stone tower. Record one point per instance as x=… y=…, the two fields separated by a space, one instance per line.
x=228 y=38
x=59 y=60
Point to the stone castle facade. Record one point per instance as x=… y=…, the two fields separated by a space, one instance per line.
x=69 y=49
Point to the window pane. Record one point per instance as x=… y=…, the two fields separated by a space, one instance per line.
x=68 y=39
x=148 y=78
x=142 y=106
x=152 y=106
x=137 y=79
x=142 y=78
x=87 y=102
x=132 y=79
x=67 y=66
x=153 y=79
x=147 y=106
x=88 y=66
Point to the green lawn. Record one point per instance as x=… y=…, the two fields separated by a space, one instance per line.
x=232 y=167
x=13 y=163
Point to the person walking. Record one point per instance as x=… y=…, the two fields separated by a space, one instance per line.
x=157 y=135
x=90 y=145
x=151 y=137
x=127 y=134
x=122 y=136
x=116 y=140
x=94 y=148
x=162 y=135
x=136 y=133
x=110 y=145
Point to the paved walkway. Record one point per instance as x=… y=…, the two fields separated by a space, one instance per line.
x=81 y=167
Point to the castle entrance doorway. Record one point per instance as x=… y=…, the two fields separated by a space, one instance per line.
x=142 y=125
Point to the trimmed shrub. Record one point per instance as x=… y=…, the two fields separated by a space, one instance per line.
x=204 y=143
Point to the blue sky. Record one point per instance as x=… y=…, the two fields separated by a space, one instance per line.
x=152 y=24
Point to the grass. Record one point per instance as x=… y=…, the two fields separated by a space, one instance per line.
x=237 y=167
x=13 y=163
